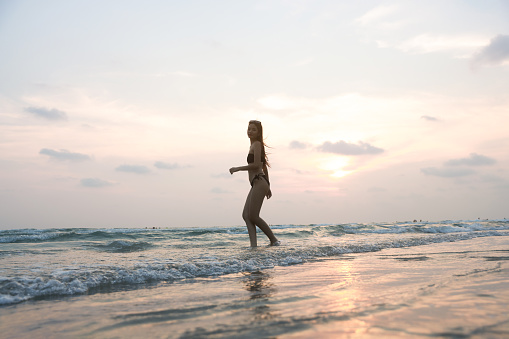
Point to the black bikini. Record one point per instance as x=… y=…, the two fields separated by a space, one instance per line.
x=260 y=176
x=250 y=160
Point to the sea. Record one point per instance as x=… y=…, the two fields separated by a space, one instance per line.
x=358 y=280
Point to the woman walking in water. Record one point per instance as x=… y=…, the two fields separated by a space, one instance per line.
x=260 y=186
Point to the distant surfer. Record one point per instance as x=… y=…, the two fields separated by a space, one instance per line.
x=256 y=167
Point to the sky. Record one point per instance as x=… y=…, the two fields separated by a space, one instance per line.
x=130 y=113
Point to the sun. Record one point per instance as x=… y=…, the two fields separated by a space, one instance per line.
x=340 y=174
x=336 y=165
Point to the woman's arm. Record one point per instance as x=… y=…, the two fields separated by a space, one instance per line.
x=266 y=171
x=257 y=150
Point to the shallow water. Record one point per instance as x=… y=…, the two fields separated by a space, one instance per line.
x=38 y=263
x=373 y=281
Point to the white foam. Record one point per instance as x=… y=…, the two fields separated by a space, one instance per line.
x=170 y=262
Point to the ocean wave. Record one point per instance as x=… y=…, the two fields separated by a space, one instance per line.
x=119 y=246
x=294 y=231
x=420 y=227
x=85 y=278
x=27 y=236
x=35 y=235
x=18 y=289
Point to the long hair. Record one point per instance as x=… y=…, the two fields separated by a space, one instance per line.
x=258 y=125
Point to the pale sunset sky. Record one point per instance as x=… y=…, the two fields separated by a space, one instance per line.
x=130 y=113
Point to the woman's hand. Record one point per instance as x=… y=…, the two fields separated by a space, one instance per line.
x=269 y=194
x=233 y=170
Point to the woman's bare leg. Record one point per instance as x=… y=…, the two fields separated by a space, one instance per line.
x=251 y=228
x=253 y=206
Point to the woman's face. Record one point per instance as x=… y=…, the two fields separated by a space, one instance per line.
x=252 y=131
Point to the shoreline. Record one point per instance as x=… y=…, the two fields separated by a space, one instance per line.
x=457 y=288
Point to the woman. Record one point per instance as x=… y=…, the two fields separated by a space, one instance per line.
x=260 y=186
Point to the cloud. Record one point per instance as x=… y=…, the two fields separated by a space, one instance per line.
x=345 y=148
x=297 y=145
x=217 y=190
x=166 y=166
x=473 y=160
x=447 y=172
x=221 y=176
x=490 y=178
x=300 y=172
x=64 y=155
x=494 y=54
x=49 y=114
x=426 y=43
x=375 y=14
x=95 y=182
x=429 y=118
x=459 y=167
x=133 y=169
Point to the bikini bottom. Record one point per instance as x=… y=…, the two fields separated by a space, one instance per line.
x=260 y=176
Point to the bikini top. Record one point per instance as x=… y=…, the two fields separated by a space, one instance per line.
x=250 y=158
